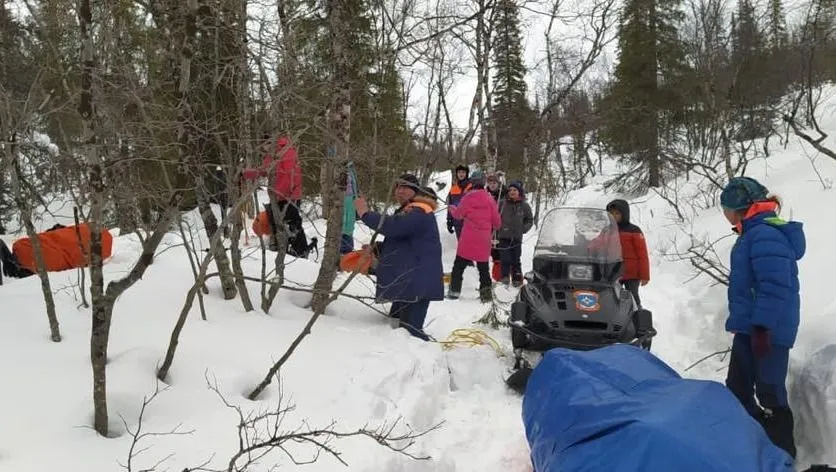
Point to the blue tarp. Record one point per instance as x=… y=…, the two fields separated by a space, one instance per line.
x=620 y=408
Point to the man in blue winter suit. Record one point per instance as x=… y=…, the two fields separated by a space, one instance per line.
x=409 y=271
x=764 y=304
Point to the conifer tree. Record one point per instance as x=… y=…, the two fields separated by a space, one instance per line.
x=646 y=96
x=512 y=116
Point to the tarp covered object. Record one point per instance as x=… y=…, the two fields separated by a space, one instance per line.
x=620 y=408
x=62 y=248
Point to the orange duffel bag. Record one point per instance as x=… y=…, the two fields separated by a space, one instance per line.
x=61 y=248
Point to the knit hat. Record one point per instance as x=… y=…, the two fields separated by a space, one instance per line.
x=477 y=179
x=742 y=192
x=519 y=186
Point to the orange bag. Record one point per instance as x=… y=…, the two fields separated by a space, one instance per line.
x=61 y=248
x=261 y=225
x=359 y=261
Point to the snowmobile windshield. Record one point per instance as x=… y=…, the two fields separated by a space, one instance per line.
x=579 y=234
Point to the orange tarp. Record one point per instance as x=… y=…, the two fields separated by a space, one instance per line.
x=61 y=248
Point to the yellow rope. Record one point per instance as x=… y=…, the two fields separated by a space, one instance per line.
x=469 y=337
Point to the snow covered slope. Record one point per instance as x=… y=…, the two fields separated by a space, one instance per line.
x=354 y=368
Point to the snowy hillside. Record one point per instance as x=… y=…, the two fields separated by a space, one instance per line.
x=354 y=368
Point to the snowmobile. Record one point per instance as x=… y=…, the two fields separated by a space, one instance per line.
x=572 y=298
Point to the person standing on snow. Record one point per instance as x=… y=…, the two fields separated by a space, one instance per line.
x=497 y=191
x=764 y=304
x=633 y=249
x=480 y=218
x=495 y=187
x=461 y=185
x=286 y=172
x=409 y=269
x=517 y=219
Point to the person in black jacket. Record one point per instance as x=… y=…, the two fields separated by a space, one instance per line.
x=517 y=219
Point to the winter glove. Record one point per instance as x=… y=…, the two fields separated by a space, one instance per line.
x=450 y=228
x=761 y=344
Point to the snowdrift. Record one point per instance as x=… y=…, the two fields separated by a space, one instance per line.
x=813 y=393
x=620 y=408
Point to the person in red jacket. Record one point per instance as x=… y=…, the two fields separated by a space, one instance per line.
x=282 y=166
x=633 y=249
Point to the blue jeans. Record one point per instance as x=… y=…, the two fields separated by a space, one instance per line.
x=412 y=316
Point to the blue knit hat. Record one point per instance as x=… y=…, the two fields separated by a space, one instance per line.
x=477 y=179
x=742 y=192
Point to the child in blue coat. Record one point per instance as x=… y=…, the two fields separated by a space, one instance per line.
x=764 y=304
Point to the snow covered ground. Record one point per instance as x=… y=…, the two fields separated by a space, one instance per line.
x=354 y=368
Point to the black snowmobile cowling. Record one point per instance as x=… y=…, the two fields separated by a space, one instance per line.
x=573 y=298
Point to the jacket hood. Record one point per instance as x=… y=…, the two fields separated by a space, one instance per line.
x=793 y=230
x=623 y=207
x=427 y=200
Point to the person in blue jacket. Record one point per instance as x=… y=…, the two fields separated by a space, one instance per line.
x=409 y=269
x=764 y=304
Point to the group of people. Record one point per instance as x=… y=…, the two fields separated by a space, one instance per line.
x=489 y=220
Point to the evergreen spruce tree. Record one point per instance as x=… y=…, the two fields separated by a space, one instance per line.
x=751 y=86
x=646 y=97
x=777 y=38
x=512 y=116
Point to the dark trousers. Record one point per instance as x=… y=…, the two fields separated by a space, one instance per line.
x=457 y=227
x=411 y=316
x=632 y=286
x=510 y=255
x=346 y=244
x=765 y=379
x=458 y=273
x=296 y=239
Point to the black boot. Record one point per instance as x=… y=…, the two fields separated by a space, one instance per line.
x=485 y=295
x=778 y=424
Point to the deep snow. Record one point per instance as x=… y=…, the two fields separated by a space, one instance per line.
x=354 y=368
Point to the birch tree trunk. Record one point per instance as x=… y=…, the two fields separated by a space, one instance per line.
x=339 y=119
x=26 y=218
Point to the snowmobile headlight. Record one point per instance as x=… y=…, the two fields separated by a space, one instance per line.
x=580 y=272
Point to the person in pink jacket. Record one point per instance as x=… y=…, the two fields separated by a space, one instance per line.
x=480 y=215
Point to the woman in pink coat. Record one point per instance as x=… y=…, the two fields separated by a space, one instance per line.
x=480 y=215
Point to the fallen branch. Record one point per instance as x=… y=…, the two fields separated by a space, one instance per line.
x=713 y=354
x=261 y=433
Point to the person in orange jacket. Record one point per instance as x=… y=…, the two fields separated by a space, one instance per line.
x=633 y=249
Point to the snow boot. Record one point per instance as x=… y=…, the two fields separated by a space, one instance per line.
x=505 y=281
x=485 y=295
x=778 y=424
x=451 y=295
